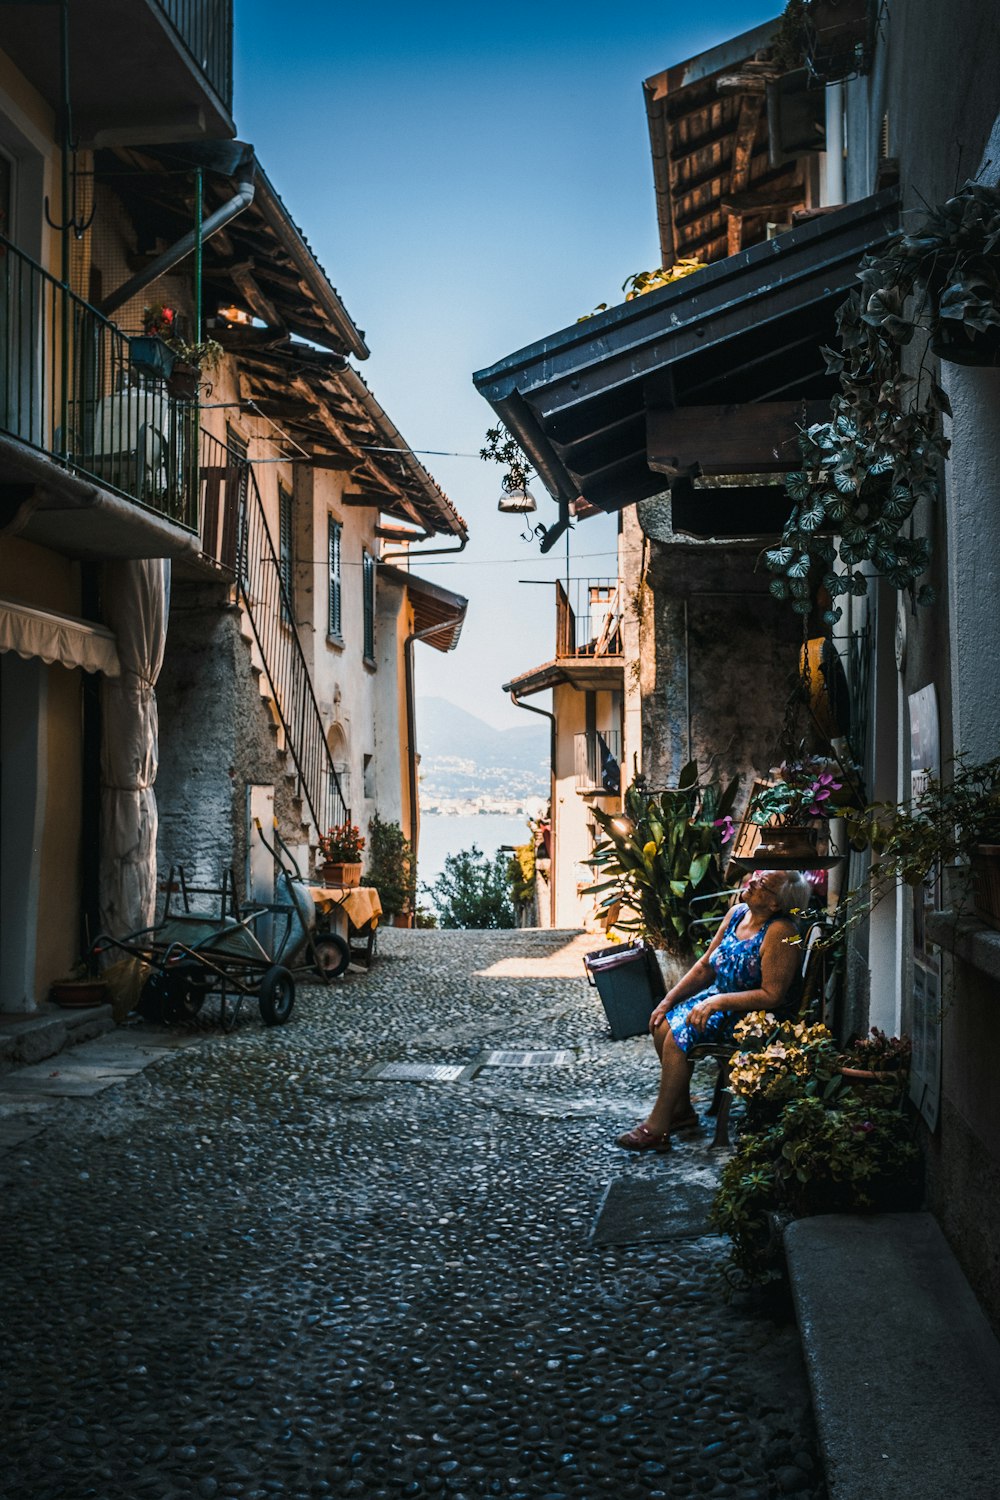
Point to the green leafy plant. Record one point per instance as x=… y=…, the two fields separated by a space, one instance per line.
x=390 y=866
x=662 y=856
x=943 y=823
x=810 y=1144
x=879 y=1052
x=854 y=1157
x=501 y=447
x=642 y=282
x=804 y=792
x=205 y=355
x=473 y=891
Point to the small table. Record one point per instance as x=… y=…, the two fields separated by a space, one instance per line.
x=359 y=908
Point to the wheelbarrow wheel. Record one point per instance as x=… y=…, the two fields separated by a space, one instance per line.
x=277 y=996
x=333 y=955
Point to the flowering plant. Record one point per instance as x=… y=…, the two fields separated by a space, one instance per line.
x=880 y=1053
x=342 y=843
x=158 y=321
x=803 y=789
x=778 y=1060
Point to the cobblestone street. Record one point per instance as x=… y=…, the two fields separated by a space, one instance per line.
x=254 y=1269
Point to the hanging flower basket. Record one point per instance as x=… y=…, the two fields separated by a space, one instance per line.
x=151 y=356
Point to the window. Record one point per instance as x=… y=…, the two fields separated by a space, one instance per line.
x=368 y=580
x=368 y=771
x=333 y=608
x=285 y=551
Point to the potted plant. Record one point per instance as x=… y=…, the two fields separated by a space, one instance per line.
x=793 y=810
x=948 y=822
x=810 y=1143
x=390 y=870
x=150 y=352
x=340 y=848
x=877 y=1059
x=190 y=361
x=661 y=859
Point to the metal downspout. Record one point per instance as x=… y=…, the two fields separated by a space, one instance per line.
x=241 y=200
x=531 y=709
x=411 y=732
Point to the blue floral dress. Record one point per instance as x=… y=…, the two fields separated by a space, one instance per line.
x=736 y=962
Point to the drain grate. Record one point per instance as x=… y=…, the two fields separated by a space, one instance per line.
x=419 y=1072
x=528 y=1059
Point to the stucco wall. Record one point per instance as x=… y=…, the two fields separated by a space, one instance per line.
x=572 y=810
x=718 y=662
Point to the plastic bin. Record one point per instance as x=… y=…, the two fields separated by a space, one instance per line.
x=628 y=979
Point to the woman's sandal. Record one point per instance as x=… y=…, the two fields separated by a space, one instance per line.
x=690 y=1121
x=641 y=1139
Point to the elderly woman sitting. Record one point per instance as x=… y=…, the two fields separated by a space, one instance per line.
x=749 y=965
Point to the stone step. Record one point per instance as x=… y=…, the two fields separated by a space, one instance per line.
x=30 y=1038
x=904 y=1368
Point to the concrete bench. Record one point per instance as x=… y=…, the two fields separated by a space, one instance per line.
x=904 y=1368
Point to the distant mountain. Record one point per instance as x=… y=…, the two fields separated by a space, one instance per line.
x=464 y=757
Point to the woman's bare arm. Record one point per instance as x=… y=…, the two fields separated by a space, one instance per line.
x=698 y=977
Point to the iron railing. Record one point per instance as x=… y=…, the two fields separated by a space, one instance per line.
x=69 y=387
x=205 y=28
x=589 y=617
x=239 y=521
x=598 y=761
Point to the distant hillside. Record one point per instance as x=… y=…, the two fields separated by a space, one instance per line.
x=464 y=757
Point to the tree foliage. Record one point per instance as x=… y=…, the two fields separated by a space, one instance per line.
x=473 y=890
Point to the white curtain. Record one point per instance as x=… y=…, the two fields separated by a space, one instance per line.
x=136 y=603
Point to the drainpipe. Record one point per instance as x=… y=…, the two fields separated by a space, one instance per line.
x=429 y=552
x=411 y=728
x=531 y=709
x=241 y=200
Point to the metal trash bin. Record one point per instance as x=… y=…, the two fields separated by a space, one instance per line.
x=628 y=979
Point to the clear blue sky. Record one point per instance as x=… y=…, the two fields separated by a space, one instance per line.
x=471 y=178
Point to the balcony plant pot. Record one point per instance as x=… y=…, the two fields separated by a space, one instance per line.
x=337 y=872
x=792 y=842
x=183 y=380
x=151 y=356
x=986 y=883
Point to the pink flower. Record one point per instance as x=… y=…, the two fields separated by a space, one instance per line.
x=728 y=828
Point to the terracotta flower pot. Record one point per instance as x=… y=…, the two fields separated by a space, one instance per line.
x=337 y=872
x=788 y=843
x=79 y=994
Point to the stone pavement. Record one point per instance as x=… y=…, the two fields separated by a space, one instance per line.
x=265 y=1266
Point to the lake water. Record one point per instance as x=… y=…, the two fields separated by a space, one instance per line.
x=441 y=836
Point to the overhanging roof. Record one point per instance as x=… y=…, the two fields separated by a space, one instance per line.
x=432 y=606
x=716 y=146
x=746 y=329
x=585 y=673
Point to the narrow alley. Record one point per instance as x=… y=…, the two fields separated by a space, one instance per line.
x=258 y=1267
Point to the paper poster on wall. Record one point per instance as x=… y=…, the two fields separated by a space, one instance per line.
x=925 y=1072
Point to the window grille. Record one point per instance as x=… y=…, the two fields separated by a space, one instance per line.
x=285 y=551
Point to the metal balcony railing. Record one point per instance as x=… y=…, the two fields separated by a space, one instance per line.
x=589 y=617
x=205 y=27
x=598 y=761
x=236 y=533
x=68 y=388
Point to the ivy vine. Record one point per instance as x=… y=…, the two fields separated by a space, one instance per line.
x=866 y=470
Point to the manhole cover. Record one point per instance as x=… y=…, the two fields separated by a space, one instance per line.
x=528 y=1059
x=418 y=1072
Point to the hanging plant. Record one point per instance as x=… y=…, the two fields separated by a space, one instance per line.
x=865 y=470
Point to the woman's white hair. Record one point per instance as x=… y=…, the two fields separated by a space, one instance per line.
x=794 y=893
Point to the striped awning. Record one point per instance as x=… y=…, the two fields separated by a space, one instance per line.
x=59 y=638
